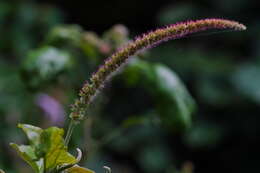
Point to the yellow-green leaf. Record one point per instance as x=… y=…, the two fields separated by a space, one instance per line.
x=27 y=153
x=32 y=132
x=1 y=171
x=54 y=149
x=78 y=169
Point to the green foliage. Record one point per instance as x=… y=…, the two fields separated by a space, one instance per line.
x=27 y=153
x=173 y=102
x=78 y=169
x=220 y=72
x=12 y=89
x=203 y=135
x=23 y=24
x=33 y=133
x=154 y=159
x=245 y=80
x=53 y=149
x=64 y=35
x=46 y=151
x=44 y=64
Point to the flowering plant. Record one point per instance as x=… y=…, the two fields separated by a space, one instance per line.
x=47 y=151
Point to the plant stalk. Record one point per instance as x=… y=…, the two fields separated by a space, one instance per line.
x=69 y=132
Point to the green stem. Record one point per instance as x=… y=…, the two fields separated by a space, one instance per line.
x=69 y=132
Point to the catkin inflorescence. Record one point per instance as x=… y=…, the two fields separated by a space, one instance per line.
x=97 y=80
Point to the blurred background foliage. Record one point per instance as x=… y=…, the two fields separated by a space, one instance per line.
x=190 y=105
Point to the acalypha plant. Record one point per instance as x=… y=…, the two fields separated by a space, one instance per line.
x=47 y=151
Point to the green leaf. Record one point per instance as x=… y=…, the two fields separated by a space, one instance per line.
x=32 y=132
x=173 y=101
x=47 y=150
x=54 y=149
x=27 y=153
x=78 y=169
x=175 y=104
